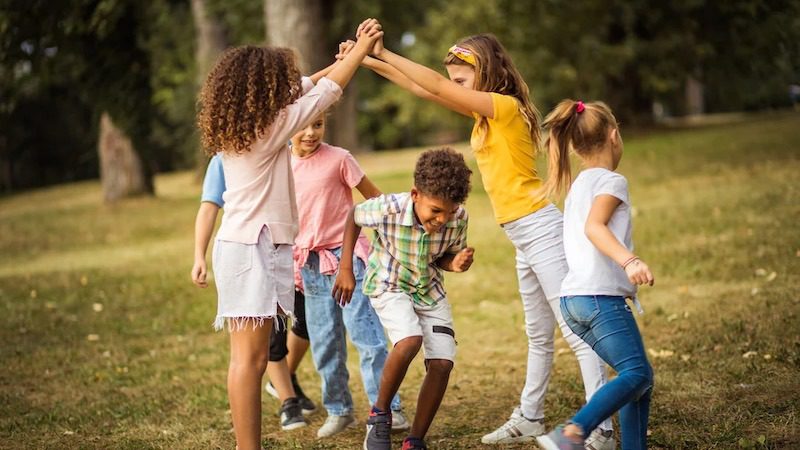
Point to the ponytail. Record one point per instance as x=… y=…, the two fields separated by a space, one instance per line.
x=575 y=126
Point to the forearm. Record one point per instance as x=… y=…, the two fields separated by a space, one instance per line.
x=203 y=228
x=395 y=76
x=446 y=262
x=342 y=71
x=426 y=78
x=324 y=72
x=601 y=237
x=351 y=232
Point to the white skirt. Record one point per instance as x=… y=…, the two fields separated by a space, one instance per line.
x=254 y=282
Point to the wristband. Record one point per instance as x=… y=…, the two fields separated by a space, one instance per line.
x=629 y=261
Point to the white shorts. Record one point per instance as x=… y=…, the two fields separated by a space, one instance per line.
x=252 y=280
x=403 y=318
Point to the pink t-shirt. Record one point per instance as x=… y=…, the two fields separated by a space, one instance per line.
x=324 y=183
x=260 y=188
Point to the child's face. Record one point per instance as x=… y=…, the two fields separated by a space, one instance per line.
x=307 y=140
x=432 y=212
x=462 y=74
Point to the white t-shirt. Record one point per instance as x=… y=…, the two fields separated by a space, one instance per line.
x=590 y=271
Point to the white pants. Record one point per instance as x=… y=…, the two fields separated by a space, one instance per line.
x=541 y=267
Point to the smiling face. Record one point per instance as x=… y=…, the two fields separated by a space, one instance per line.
x=306 y=141
x=432 y=212
x=463 y=74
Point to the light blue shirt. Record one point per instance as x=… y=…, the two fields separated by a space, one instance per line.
x=214 y=182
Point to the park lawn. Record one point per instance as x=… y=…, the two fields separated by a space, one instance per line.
x=107 y=344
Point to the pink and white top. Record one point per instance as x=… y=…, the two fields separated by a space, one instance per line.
x=324 y=183
x=260 y=189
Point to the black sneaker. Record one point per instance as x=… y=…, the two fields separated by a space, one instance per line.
x=292 y=415
x=306 y=404
x=379 y=430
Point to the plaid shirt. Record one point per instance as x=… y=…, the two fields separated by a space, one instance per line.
x=403 y=256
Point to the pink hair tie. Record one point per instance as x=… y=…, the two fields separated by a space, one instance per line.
x=579 y=108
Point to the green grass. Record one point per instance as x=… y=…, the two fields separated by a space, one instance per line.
x=107 y=344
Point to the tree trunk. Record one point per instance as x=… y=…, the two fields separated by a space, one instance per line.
x=695 y=99
x=298 y=24
x=210 y=42
x=122 y=173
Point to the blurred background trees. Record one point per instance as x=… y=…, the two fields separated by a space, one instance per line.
x=107 y=87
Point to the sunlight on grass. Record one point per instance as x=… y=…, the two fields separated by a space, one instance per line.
x=108 y=345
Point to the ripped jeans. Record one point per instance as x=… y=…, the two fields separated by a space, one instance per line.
x=606 y=323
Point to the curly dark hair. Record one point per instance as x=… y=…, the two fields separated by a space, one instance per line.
x=243 y=94
x=443 y=173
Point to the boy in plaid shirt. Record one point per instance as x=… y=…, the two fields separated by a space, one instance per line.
x=417 y=235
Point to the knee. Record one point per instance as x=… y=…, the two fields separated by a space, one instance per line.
x=252 y=361
x=439 y=367
x=408 y=347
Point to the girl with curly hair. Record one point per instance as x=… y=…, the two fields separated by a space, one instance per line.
x=252 y=102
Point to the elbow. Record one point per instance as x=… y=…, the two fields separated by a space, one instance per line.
x=590 y=230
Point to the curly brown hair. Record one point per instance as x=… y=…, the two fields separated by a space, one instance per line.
x=443 y=173
x=243 y=94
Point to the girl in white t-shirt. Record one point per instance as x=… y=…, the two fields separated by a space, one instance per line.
x=603 y=270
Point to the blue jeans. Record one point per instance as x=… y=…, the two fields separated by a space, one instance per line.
x=327 y=322
x=606 y=323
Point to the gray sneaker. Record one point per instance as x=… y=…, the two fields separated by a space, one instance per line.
x=335 y=424
x=399 y=421
x=555 y=440
x=292 y=415
x=600 y=439
x=379 y=431
x=517 y=429
x=305 y=403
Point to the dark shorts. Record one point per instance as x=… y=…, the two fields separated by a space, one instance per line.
x=277 y=341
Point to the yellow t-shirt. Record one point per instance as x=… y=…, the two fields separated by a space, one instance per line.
x=507 y=163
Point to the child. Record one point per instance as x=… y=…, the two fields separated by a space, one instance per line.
x=486 y=86
x=603 y=271
x=417 y=235
x=286 y=388
x=251 y=103
x=324 y=180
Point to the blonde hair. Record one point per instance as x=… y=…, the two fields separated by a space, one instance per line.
x=496 y=72
x=243 y=94
x=582 y=128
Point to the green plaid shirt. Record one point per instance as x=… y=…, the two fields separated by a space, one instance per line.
x=403 y=254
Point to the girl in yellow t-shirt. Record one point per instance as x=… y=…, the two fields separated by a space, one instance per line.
x=485 y=85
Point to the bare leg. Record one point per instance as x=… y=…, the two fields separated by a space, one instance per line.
x=249 y=355
x=278 y=372
x=297 y=350
x=395 y=369
x=430 y=395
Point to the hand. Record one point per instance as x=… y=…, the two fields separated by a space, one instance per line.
x=463 y=260
x=638 y=273
x=345 y=48
x=370 y=32
x=199 y=273
x=344 y=286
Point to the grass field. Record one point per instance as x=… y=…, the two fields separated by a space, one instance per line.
x=107 y=344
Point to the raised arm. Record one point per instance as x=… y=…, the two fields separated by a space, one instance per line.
x=395 y=76
x=343 y=71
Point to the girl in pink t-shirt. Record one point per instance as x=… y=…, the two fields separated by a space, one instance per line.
x=324 y=180
x=252 y=101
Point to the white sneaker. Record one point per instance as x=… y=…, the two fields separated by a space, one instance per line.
x=335 y=424
x=600 y=439
x=516 y=429
x=399 y=421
